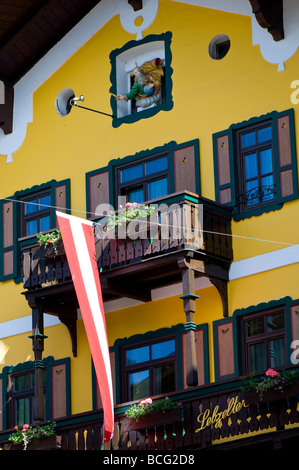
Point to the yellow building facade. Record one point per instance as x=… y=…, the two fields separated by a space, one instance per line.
x=229 y=111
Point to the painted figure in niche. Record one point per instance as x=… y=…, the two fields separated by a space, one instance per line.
x=147 y=87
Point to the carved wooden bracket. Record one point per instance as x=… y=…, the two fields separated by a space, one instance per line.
x=71 y=324
x=217 y=275
x=221 y=286
x=136 y=4
x=269 y=14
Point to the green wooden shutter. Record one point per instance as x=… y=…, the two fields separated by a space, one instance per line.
x=286 y=159
x=8 y=243
x=225 y=349
x=224 y=168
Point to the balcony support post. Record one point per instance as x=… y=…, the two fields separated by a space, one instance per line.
x=189 y=299
x=38 y=348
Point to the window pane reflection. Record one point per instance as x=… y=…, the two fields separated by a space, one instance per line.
x=138 y=355
x=255 y=326
x=265 y=134
x=164 y=379
x=31 y=206
x=276 y=351
x=131 y=173
x=157 y=188
x=139 y=385
x=257 y=357
x=32 y=227
x=163 y=349
x=153 y=166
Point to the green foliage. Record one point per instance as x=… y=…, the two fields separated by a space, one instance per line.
x=149 y=406
x=272 y=381
x=26 y=433
x=131 y=212
x=49 y=239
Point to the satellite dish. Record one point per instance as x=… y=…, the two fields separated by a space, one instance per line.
x=63 y=101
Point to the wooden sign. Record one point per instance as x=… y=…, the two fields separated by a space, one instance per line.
x=214 y=417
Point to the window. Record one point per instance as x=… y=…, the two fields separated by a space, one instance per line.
x=219 y=46
x=145 y=180
x=141 y=71
x=265 y=340
x=36 y=213
x=149 y=369
x=22 y=397
x=255 y=166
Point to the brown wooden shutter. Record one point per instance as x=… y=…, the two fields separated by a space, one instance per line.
x=185 y=169
x=98 y=188
x=224 y=350
x=8 y=240
x=61 y=197
x=287 y=157
x=59 y=390
x=98 y=395
x=200 y=351
x=223 y=170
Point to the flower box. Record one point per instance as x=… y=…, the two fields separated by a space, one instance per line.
x=50 y=251
x=44 y=443
x=252 y=396
x=153 y=419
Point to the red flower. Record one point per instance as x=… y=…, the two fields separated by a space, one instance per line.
x=272 y=372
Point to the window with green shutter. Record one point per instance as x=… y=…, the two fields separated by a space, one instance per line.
x=256 y=165
x=25 y=214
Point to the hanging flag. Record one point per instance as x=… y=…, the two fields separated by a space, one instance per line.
x=78 y=240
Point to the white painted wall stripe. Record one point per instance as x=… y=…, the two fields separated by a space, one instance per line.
x=265 y=262
x=24 y=325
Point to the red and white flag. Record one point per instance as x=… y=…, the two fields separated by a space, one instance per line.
x=78 y=240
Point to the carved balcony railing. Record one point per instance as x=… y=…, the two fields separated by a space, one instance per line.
x=182 y=223
x=209 y=415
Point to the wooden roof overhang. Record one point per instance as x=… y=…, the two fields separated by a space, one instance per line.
x=30 y=28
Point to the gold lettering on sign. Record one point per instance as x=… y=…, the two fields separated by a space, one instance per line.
x=215 y=418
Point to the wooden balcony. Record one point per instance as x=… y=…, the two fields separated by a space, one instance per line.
x=177 y=233
x=210 y=414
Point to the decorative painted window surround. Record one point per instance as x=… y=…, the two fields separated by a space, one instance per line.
x=229 y=362
x=284 y=163
x=101 y=187
x=179 y=333
x=11 y=211
x=123 y=62
x=58 y=403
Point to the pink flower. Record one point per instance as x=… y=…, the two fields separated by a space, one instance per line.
x=272 y=372
x=147 y=401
